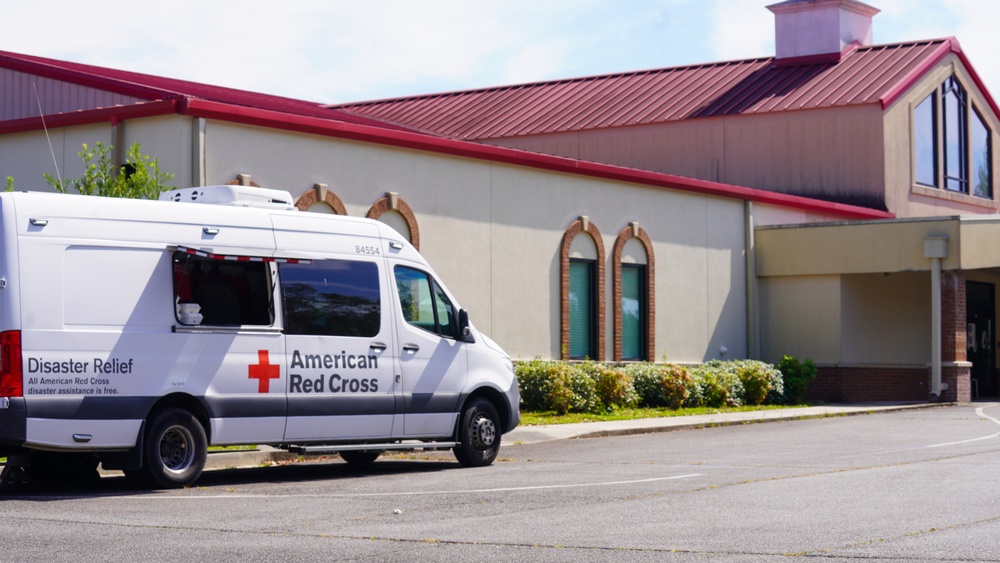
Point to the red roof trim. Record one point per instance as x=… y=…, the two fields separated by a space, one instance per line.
x=50 y=69
x=949 y=46
x=417 y=141
x=89 y=117
x=914 y=76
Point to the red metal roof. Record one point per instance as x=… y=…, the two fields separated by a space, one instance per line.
x=167 y=96
x=860 y=75
x=154 y=88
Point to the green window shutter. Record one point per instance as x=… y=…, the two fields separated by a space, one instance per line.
x=581 y=309
x=632 y=307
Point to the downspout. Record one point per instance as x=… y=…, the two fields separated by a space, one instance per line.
x=936 y=249
x=753 y=344
x=198 y=177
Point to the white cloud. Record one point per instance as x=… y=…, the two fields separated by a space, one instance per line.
x=345 y=50
x=742 y=29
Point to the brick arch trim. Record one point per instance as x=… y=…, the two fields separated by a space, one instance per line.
x=627 y=234
x=386 y=204
x=313 y=196
x=580 y=226
x=243 y=181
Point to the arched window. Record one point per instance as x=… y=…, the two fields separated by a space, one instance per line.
x=633 y=289
x=393 y=211
x=321 y=200
x=582 y=292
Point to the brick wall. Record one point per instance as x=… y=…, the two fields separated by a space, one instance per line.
x=853 y=384
x=859 y=384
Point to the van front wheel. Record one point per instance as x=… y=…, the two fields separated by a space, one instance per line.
x=478 y=434
x=175 y=450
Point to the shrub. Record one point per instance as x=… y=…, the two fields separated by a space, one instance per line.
x=719 y=385
x=614 y=387
x=761 y=381
x=560 y=396
x=594 y=387
x=660 y=385
x=559 y=386
x=583 y=383
x=139 y=177
x=534 y=380
x=797 y=376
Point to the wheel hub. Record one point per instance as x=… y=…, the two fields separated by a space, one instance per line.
x=484 y=432
x=176 y=449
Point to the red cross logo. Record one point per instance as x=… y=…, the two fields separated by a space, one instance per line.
x=264 y=372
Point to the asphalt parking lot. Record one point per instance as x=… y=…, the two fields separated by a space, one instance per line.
x=903 y=485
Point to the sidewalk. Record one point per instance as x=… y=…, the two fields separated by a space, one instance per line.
x=523 y=435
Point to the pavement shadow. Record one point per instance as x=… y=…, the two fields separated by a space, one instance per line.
x=306 y=471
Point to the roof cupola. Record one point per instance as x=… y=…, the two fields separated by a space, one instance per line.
x=820 y=28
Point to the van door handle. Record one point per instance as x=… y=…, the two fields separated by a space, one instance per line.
x=377 y=346
x=411 y=348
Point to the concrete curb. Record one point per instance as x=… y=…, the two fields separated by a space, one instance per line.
x=524 y=435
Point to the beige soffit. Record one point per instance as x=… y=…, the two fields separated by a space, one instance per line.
x=895 y=245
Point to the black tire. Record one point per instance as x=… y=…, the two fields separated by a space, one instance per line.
x=174 y=450
x=478 y=434
x=66 y=468
x=360 y=457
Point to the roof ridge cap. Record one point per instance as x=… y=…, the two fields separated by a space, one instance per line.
x=541 y=83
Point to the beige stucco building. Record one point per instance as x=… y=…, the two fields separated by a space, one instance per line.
x=703 y=212
x=907 y=128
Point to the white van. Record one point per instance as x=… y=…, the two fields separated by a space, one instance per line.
x=135 y=334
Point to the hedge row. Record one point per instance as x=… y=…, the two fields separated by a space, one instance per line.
x=597 y=387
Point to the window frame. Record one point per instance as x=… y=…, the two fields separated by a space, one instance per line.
x=184 y=261
x=641 y=331
x=953 y=140
x=435 y=293
x=576 y=228
x=647 y=292
x=590 y=314
x=373 y=273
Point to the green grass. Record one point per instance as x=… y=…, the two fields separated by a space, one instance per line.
x=550 y=417
x=245 y=448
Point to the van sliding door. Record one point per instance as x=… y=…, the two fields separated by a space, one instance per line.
x=338 y=333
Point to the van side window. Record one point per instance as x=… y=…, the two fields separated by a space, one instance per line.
x=209 y=291
x=331 y=298
x=424 y=304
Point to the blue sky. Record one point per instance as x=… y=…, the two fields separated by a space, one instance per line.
x=339 y=51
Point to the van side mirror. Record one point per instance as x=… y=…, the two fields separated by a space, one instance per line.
x=464 y=332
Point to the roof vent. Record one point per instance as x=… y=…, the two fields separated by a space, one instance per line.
x=239 y=196
x=820 y=30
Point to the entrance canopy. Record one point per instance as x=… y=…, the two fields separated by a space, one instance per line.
x=895 y=245
x=881 y=306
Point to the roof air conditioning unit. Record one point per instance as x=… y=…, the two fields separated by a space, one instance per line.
x=238 y=196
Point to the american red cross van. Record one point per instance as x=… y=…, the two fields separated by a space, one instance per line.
x=135 y=334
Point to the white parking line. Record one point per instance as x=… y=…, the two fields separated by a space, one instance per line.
x=420 y=493
x=980 y=412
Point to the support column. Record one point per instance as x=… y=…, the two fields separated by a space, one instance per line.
x=955 y=367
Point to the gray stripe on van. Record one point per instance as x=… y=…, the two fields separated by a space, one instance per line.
x=339 y=405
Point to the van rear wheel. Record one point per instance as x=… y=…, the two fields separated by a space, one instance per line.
x=478 y=434
x=174 y=450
